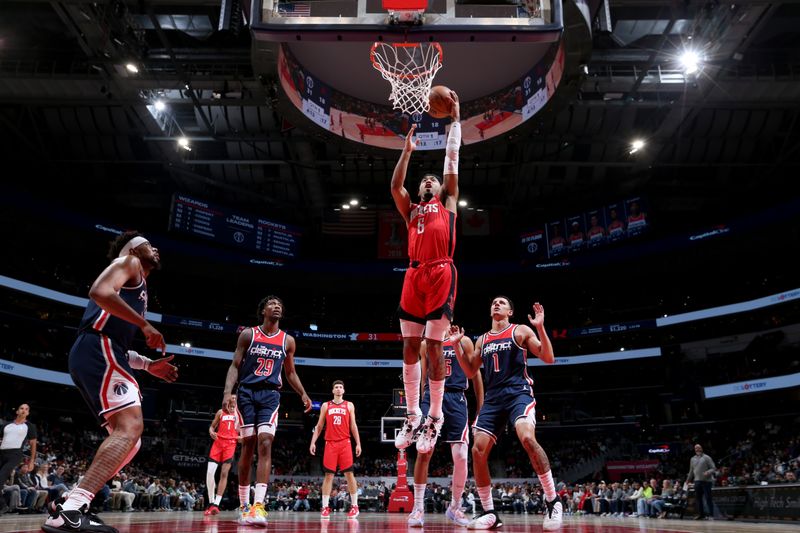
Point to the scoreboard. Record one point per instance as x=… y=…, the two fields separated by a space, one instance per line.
x=245 y=231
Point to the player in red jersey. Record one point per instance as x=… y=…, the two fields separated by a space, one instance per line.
x=339 y=418
x=224 y=430
x=429 y=287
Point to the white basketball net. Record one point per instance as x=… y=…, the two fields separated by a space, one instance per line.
x=410 y=68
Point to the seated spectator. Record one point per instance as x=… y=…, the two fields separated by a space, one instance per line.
x=120 y=499
x=301 y=500
x=56 y=483
x=660 y=500
x=31 y=497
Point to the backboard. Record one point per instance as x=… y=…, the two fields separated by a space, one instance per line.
x=390 y=427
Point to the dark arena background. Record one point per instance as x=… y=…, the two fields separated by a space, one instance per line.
x=253 y=143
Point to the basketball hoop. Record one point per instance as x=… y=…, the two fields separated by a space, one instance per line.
x=409 y=68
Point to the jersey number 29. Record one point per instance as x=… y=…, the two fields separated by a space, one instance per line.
x=264 y=366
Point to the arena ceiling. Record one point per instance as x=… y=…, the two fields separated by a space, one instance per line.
x=73 y=118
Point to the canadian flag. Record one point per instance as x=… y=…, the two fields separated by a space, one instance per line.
x=475 y=223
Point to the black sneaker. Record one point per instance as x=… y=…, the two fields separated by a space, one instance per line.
x=75 y=521
x=487 y=520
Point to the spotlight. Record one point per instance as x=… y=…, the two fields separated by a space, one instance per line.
x=353 y=202
x=690 y=61
x=345 y=206
x=132 y=68
x=636 y=145
x=160 y=105
x=183 y=142
x=462 y=203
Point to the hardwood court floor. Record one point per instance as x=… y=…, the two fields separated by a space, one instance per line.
x=289 y=522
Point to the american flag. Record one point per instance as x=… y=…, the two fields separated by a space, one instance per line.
x=357 y=222
x=294 y=10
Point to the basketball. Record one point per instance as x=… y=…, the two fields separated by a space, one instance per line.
x=440 y=100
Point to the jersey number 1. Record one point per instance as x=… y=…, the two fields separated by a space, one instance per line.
x=264 y=366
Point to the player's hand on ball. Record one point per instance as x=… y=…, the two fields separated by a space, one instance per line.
x=313 y=449
x=161 y=368
x=410 y=144
x=358 y=450
x=538 y=315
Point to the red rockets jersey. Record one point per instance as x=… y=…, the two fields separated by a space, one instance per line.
x=337 y=421
x=431 y=231
x=228 y=425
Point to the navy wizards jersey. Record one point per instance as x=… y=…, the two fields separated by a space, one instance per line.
x=505 y=363
x=263 y=360
x=97 y=319
x=454 y=374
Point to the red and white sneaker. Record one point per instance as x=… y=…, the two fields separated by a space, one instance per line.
x=326 y=513
x=212 y=510
x=353 y=512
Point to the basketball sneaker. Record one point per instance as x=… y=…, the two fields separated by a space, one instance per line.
x=244 y=513
x=457 y=516
x=353 y=512
x=552 y=517
x=326 y=512
x=212 y=510
x=409 y=431
x=77 y=520
x=416 y=518
x=428 y=433
x=258 y=515
x=487 y=520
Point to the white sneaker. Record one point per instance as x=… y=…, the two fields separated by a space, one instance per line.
x=409 y=432
x=457 y=516
x=428 y=434
x=488 y=520
x=552 y=515
x=416 y=518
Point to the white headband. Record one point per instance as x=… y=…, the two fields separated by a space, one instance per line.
x=131 y=244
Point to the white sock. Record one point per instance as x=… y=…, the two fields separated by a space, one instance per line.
x=244 y=495
x=354 y=498
x=419 y=496
x=548 y=485
x=210 y=483
x=411 y=377
x=77 y=498
x=217 y=499
x=437 y=393
x=486 y=497
x=261 y=491
x=325 y=500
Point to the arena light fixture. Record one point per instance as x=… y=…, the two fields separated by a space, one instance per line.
x=462 y=203
x=183 y=142
x=690 y=61
x=636 y=145
x=345 y=206
x=160 y=105
x=353 y=202
x=132 y=68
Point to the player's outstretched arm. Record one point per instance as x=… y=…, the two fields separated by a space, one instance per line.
x=291 y=373
x=242 y=344
x=537 y=343
x=470 y=363
x=402 y=200
x=450 y=172
x=354 y=429
x=323 y=412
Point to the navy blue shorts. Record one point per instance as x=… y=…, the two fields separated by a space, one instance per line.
x=454 y=409
x=259 y=408
x=99 y=367
x=505 y=405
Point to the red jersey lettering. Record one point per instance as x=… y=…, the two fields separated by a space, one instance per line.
x=228 y=426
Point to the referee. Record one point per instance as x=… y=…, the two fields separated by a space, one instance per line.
x=13 y=435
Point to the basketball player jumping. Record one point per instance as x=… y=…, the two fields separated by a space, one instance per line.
x=429 y=287
x=261 y=353
x=224 y=430
x=339 y=418
x=100 y=364
x=503 y=351
x=455 y=430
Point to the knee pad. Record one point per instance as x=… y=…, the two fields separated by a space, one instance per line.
x=436 y=329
